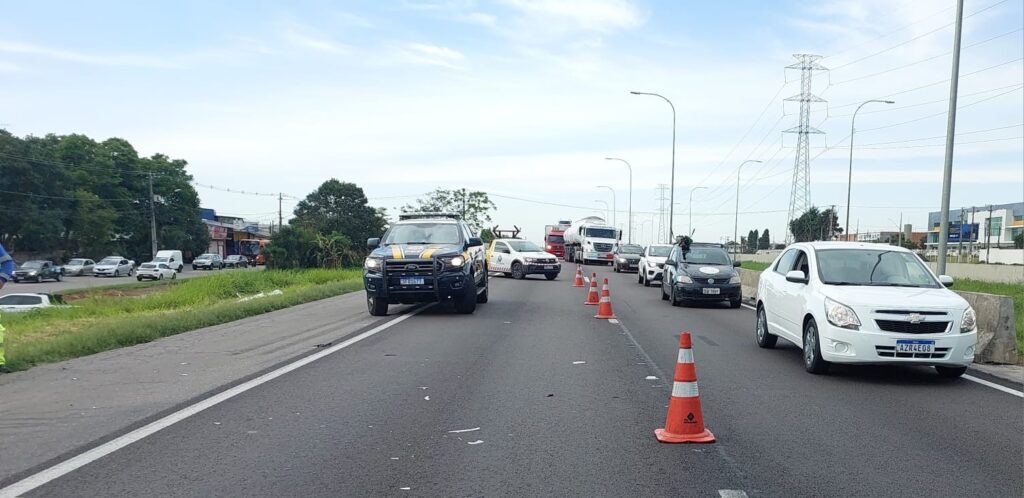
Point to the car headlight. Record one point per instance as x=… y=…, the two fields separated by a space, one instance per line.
x=372 y=265
x=622 y=260
x=453 y=262
x=530 y=260
x=683 y=279
x=33 y=272
x=735 y=279
x=968 y=321
x=841 y=315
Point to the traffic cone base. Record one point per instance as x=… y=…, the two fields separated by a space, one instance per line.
x=665 y=437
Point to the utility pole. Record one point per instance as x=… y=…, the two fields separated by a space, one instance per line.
x=672 y=190
x=960 y=236
x=280 y=214
x=900 y=228
x=800 y=193
x=152 y=216
x=988 y=233
x=947 y=169
x=832 y=223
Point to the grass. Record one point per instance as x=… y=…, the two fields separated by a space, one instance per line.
x=100 y=319
x=754 y=265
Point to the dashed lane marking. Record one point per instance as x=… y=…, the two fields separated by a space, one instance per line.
x=732 y=493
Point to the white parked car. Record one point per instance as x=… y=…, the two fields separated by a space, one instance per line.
x=520 y=258
x=652 y=262
x=14 y=303
x=155 y=271
x=849 y=302
x=114 y=266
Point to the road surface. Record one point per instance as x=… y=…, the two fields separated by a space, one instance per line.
x=531 y=396
x=84 y=282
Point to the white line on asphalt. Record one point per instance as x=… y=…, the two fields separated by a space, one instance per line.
x=34 y=481
x=732 y=493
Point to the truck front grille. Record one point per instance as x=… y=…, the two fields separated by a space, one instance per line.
x=602 y=247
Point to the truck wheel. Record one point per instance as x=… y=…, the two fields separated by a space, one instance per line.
x=517 y=271
x=376 y=306
x=551 y=276
x=466 y=305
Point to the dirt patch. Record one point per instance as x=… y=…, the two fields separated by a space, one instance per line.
x=128 y=292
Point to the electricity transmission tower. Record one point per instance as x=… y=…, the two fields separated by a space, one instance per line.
x=800 y=194
x=662 y=199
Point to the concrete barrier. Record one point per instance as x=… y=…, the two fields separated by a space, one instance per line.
x=997 y=340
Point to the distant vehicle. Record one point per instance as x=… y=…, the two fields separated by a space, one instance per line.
x=172 y=258
x=851 y=302
x=652 y=261
x=627 y=257
x=37 y=271
x=701 y=272
x=208 y=261
x=15 y=303
x=519 y=258
x=254 y=250
x=155 y=271
x=114 y=266
x=554 y=238
x=590 y=240
x=423 y=258
x=79 y=266
x=236 y=261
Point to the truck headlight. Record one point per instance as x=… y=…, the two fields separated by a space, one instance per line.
x=968 y=321
x=841 y=315
x=453 y=262
x=735 y=279
x=683 y=279
x=372 y=265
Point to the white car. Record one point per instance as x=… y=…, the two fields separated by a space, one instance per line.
x=849 y=302
x=652 y=262
x=155 y=271
x=520 y=258
x=14 y=303
x=114 y=266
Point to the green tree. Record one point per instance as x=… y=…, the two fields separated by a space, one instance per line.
x=292 y=247
x=765 y=241
x=815 y=225
x=340 y=208
x=752 y=241
x=474 y=206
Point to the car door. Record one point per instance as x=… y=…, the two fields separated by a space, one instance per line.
x=792 y=298
x=769 y=290
x=669 y=273
x=501 y=257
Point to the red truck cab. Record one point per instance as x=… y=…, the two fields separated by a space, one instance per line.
x=554 y=243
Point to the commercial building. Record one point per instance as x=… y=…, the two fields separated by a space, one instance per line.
x=229 y=235
x=975 y=227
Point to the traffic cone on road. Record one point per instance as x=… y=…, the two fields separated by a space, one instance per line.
x=579 y=277
x=592 y=297
x=685 y=422
x=604 y=311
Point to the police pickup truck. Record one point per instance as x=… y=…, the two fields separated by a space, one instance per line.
x=425 y=258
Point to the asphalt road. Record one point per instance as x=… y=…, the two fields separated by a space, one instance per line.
x=88 y=281
x=554 y=402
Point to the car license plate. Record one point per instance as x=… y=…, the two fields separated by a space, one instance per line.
x=914 y=346
x=711 y=290
x=411 y=280
x=549 y=267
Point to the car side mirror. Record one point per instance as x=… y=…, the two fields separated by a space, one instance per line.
x=736 y=264
x=946 y=280
x=372 y=243
x=796 y=276
x=474 y=242
x=670 y=262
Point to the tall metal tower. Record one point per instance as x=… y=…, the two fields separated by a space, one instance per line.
x=662 y=199
x=800 y=194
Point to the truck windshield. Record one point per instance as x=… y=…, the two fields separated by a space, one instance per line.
x=556 y=238
x=601 y=233
x=873 y=267
x=706 y=256
x=423 y=233
x=524 y=246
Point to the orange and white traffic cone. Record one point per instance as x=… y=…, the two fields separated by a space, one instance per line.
x=579 y=277
x=685 y=422
x=604 y=311
x=592 y=297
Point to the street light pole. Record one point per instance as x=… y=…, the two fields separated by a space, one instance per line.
x=849 y=174
x=629 y=237
x=689 y=228
x=736 y=220
x=672 y=186
x=152 y=216
x=947 y=168
x=614 y=204
x=605 y=206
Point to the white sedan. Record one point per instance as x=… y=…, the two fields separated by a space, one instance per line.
x=848 y=302
x=155 y=271
x=652 y=262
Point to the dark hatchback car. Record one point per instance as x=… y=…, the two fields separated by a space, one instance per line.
x=236 y=261
x=627 y=257
x=701 y=272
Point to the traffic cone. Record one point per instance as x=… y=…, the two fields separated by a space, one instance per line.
x=685 y=422
x=579 y=277
x=592 y=297
x=604 y=311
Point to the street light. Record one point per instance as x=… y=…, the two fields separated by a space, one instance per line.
x=629 y=236
x=849 y=175
x=642 y=232
x=614 y=216
x=672 y=187
x=690 y=223
x=605 y=206
x=736 y=221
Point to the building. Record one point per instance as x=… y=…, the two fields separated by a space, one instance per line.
x=993 y=225
x=228 y=232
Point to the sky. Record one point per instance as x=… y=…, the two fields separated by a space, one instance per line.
x=524 y=99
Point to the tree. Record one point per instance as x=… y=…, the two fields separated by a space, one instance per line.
x=752 y=241
x=474 y=206
x=765 y=241
x=815 y=225
x=340 y=208
x=292 y=247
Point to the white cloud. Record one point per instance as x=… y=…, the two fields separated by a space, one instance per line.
x=21 y=48
x=435 y=55
x=602 y=16
x=7 y=67
x=308 y=38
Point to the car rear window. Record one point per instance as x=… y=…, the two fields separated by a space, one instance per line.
x=16 y=300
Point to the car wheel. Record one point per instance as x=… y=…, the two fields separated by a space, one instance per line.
x=517 y=271
x=138 y=278
x=116 y=274
x=813 y=362
x=466 y=304
x=482 y=297
x=376 y=306
x=950 y=372
x=676 y=300
x=161 y=277
x=174 y=276
x=551 y=276
x=59 y=277
x=736 y=303
x=664 y=296
x=765 y=339
x=640 y=277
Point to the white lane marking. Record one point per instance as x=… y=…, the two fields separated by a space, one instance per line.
x=650 y=377
x=36 y=480
x=426 y=398
x=751 y=308
x=993 y=385
x=463 y=430
x=732 y=493
x=612 y=320
x=578 y=362
x=474 y=442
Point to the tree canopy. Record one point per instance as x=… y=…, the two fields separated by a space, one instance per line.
x=474 y=206
x=337 y=207
x=815 y=225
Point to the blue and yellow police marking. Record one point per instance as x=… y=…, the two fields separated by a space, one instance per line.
x=396 y=252
x=430 y=252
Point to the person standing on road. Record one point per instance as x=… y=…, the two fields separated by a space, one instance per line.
x=6 y=270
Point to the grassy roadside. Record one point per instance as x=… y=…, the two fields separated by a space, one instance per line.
x=754 y=265
x=106 y=318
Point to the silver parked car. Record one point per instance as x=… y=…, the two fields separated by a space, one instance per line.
x=79 y=266
x=114 y=266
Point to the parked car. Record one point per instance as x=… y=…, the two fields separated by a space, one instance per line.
x=79 y=267
x=14 y=303
x=208 y=262
x=172 y=258
x=155 y=271
x=850 y=302
x=652 y=261
x=519 y=258
x=701 y=272
x=236 y=261
x=627 y=257
x=37 y=271
x=114 y=266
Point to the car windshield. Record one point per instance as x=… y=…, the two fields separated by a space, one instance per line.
x=161 y=260
x=873 y=267
x=630 y=249
x=556 y=238
x=76 y=262
x=32 y=265
x=601 y=233
x=19 y=300
x=110 y=261
x=524 y=246
x=205 y=256
x=706 y=256
x=423 y=233
x=659 y=251
x=233 y=258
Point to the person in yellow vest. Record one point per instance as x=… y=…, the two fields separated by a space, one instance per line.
x=6 y=270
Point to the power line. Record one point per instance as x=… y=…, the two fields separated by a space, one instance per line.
x=865 y=146
x=919 y=104
x=242 y=192
x=943 y=113
x=78 y=166
x=890 y=33
x=43 y=196
x=943 y=136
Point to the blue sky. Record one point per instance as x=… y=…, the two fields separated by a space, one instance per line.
x=525 y=98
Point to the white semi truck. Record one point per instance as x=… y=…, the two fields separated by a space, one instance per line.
x=591 y=240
